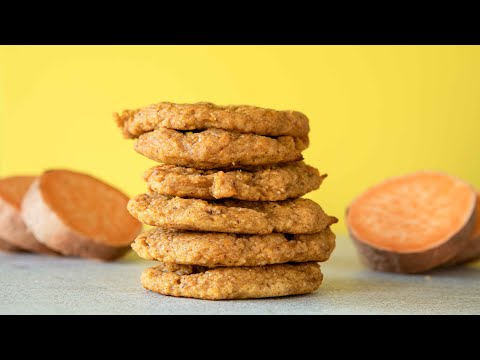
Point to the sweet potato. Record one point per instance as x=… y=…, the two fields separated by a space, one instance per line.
x=13 y=232
x=412 y=223
x=471 y=252
x=6 y=246
x=78 y=215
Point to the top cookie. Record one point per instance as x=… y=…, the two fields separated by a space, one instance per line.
x=203 y=115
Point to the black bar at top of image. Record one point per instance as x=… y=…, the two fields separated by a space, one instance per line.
x=360 y=38
x=296 y=25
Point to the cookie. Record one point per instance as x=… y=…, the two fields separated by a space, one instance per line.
x=273 y=183
x=79 y=215
x=13 y=230
x=200 y=116
x=299 y=216
x=219 y=249
x=235 y=282
x=212 y=149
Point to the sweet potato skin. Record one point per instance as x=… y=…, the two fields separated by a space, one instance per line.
x=470 y=253
x=6 y=247
x=412 y=263
x=14 y=231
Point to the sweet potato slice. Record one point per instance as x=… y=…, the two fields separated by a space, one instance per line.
x=412 y=223
x=78 y=215
x=471 y=252
x=13 y=232
x=7 y=247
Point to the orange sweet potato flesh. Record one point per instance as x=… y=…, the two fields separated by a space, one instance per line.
x=13 y=188
x=89 y=206
x=79 y=215
x=412 y=223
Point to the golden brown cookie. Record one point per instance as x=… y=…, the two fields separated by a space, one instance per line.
x=235 y=282
x=212 y=149
x=273 y=183
x=221 y=249
x=200 y=116
x=299 y=216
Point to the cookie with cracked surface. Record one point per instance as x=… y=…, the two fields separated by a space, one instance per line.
x=235 y=282
x=213 y=148
x=221 y=249
x=272 y=183
x=299 y=216
x=200 y=116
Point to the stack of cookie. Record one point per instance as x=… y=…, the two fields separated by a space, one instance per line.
x=225 y=202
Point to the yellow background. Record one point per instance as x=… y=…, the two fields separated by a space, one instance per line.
x=375 y=111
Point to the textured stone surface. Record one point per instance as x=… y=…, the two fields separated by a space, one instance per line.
x=32 y=284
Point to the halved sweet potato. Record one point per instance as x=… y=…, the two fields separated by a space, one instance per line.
x=13 y=232
x=412 y=223
x=78 y=215
x=6 y=246
x=471 y=252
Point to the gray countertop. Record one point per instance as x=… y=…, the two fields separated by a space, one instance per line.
x=32 y=284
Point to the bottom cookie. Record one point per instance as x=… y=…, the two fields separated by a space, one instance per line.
x=233 y=282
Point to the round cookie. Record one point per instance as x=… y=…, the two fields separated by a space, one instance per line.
x=213 y=148
x=235 y=282
x=200 y=116
x=299 y=216
x=273 y=183
x=13 y=230
x=222 y=249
